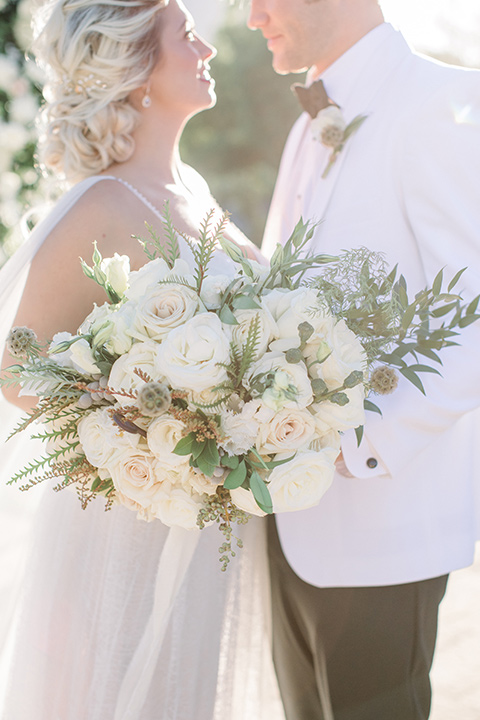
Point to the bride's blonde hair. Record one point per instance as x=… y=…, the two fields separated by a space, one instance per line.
x=95 y=54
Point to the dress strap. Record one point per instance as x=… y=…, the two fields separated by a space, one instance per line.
x=136 y=192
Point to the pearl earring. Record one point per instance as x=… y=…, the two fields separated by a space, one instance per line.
x=147 y=100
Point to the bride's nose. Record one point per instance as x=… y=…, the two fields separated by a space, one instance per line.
x=206 y=51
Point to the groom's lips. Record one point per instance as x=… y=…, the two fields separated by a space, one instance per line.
x=272 y=40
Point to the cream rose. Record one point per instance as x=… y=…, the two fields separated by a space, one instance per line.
x=102 y=439
x=300 y=483
x=142 y=356
x=191 y=355
x=163 y=307
x=288 y=430
x=288 y=384
x=162 y=436
x=245 y=500
x=134 y=474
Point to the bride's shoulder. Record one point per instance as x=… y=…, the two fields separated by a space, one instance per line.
x=103 y=211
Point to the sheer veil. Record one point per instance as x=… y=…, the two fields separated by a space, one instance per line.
x=118 y=618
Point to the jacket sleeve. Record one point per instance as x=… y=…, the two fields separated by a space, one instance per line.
x=438 y=166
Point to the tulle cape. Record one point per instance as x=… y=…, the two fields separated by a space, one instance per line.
x=118 y=618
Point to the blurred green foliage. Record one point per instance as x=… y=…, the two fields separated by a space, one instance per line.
x=237 y=146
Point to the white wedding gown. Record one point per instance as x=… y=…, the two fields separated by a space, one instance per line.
x=85 y=641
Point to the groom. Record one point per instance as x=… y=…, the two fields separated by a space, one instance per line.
x=357 y=580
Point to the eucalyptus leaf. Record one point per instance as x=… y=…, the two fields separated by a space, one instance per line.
x=261 y=493
x=236 y=477
x=227 y=316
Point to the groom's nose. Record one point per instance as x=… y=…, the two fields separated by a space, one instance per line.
x=257 y=15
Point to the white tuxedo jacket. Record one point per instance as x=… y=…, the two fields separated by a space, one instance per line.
x=406 y=184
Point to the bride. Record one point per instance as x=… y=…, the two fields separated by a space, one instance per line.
x=123 y=78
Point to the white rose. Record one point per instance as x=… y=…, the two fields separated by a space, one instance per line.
x=267 y=328
x=245 y=500
x=191 y=355
x=288 y=430
x=200 y=483
x=289 y=386
x=329 y=441
x=134 y=474
x=342 y=350
x=162 y=436
x=212 y=290
x=300 y=483
x=117 y=270
x=291 y=310
x=164 y=307
x=241 y=429
x=154 y=272
x=178 y=507
x=329 y=119
x=142 y=280
x=142 y=356
x=102 y=439
x=329 y=415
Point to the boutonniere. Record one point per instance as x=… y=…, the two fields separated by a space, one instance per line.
x=330 y=128
x=328 y=123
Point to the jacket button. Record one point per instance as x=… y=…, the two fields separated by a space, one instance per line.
x=372 y=463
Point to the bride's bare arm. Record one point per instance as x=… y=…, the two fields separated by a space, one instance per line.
x=58 y=296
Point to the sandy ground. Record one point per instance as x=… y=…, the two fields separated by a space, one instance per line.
x=456 y=668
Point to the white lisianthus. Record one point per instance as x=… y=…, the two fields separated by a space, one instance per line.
x=213 y=287
x=340 y=353
x=141 y=356
x=120 y=321
x=178 y=507
x=240 y=429
x=134 y=474
x=163 y=308
x=162 y=436
x=117 y=270
x=245 y=500
x=260 y=271
x=288 y=430
x=191 y=355
x=301 y=482
x=288 y=384
x=329 y=126
x=329 y=415
x=293 y=309
x=267 y=328
x=78 y=356
x=95 y=318
x=102 y=439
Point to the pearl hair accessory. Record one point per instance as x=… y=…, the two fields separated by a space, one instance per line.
x=83 y=85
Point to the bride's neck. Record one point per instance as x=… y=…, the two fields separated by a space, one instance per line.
x=156 y=154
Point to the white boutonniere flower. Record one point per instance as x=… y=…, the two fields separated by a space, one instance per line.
x=330 y=128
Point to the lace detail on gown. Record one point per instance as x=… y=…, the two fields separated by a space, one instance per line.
x=88 y=593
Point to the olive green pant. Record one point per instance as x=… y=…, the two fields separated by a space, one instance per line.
x=352 y=653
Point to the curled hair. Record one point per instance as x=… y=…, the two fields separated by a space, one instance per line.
x=95 y=54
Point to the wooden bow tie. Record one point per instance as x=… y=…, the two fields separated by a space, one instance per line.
x=313 y=98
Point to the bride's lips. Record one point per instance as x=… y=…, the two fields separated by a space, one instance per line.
x=204 y=76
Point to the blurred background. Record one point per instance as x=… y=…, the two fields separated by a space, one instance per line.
x=237 y=145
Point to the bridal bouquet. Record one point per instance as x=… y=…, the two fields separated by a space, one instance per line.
x=195 y=397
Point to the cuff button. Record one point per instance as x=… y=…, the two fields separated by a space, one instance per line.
x=372 y=463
